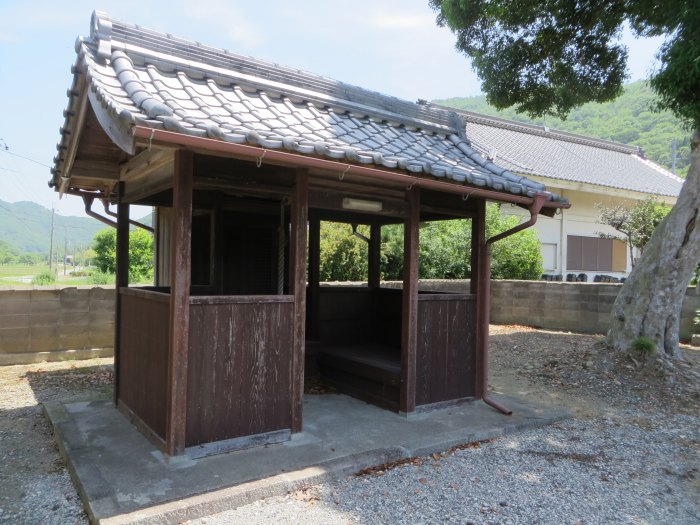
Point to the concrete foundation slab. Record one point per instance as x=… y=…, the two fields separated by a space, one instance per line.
x=123 y=478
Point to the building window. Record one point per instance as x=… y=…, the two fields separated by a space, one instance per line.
x=593 y=254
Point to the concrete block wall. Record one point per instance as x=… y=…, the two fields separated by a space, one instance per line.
x=49 y=323
x=576 y=307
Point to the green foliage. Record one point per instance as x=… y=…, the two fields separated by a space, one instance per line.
x=44 y=278
x=343 y=255
x=643 y=346
x=8 y=253
x=140 y=253
x=105 y=247
x=629 y=119
x=546 y=58
x=635 y=223
x=517 y=256
x=445 y=251
x=101 y=278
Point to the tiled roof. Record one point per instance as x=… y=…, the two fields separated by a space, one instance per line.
x=537 y=151
x=144 y=78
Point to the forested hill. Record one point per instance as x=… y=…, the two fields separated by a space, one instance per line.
x=27 y=227
x=628 y=119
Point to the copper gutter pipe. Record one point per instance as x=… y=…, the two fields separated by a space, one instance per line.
x=257 y=153
x=138 y=224
x=485 y=290
x=88 y=200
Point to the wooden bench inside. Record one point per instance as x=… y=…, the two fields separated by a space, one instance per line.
x=370 y=371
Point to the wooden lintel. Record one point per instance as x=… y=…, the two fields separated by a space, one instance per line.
x=297 y=255
x=409 y=317
x=180 y=281
x=253 y=189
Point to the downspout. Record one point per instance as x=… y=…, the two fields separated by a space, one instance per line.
x=88 y=200
x=138 y=224
x=485 y=290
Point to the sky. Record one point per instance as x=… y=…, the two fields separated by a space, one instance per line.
x=390 y=46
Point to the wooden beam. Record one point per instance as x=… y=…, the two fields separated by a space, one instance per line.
x=409 y=318
x=314 y=273
x=180 y=281
x=146 y=163
x=94 y=169
x=374 y=255
x=478 y=262
x=121 y=281
x=299 y=218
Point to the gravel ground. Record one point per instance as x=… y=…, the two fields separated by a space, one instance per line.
x=631 y=454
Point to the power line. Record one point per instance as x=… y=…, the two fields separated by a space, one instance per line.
x=6 y=149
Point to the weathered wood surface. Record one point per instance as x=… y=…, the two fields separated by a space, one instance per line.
x=142 y=368
x=180 y=281
x=446 y=348
x=410 y=303
x=121 y=280
x=299 y=215
x=239 y=373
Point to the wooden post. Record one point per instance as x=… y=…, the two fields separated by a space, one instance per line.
x=299 y=218
x=314 y=273
x=180 y=280
x=480 y=265
x=122 y=280
x=409 y=318
x=374 y=255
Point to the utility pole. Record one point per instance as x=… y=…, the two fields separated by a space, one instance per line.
x=65 y=251
x=51 y=243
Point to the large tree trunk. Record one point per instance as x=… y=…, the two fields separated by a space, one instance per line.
x=650 y=301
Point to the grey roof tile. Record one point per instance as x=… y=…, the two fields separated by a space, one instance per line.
x=189 y=88
x=532 y=150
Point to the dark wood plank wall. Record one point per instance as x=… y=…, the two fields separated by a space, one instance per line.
x=445 y=360
x=344 y=315
x=145 y=339
x=239 y=373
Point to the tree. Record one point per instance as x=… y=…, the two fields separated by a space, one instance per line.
x=635 y=223
x=140 y=253
x=548 y=57
x=445 y=249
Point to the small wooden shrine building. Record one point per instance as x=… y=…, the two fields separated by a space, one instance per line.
x=242 y=160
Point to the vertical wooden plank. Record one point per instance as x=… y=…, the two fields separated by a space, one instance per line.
x=299 y=219
x=409 y=319
x=480 y=266
x=374 y=255
x=314 y=274
x=478 y=231
x=122 y=280
x=180 y=280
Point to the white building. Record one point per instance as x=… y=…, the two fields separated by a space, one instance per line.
x=584 y=170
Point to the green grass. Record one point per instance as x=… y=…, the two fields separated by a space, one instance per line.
x=21 y=270
x=8 y=271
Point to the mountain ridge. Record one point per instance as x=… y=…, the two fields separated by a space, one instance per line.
x=26 y=226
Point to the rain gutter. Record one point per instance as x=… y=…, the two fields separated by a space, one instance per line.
x=484 y=289
x=258 y=154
